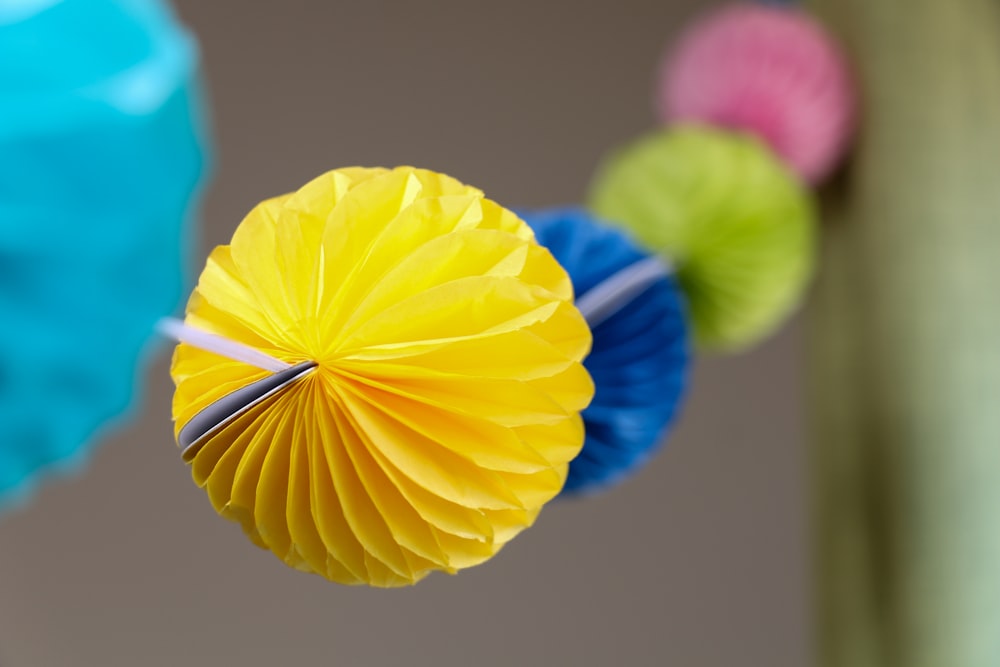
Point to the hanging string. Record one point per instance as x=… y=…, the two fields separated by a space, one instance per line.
x=619 y=289
x=174 y=328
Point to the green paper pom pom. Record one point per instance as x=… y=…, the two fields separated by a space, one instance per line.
x=737 y=225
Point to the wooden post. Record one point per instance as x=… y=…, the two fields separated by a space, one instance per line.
x=904 y=335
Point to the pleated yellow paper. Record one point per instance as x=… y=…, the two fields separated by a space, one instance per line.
x=445 y=406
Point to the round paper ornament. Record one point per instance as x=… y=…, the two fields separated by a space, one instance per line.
x=738 y=227
x=103 y=150
x=428 y=386
x=771 y=71
x=640 y=356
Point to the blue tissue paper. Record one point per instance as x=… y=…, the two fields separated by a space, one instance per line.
x=640 y=356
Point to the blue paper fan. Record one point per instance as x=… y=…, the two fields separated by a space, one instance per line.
x=103 y=150
x=640 y=355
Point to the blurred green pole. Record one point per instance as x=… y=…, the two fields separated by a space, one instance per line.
x=905 y=345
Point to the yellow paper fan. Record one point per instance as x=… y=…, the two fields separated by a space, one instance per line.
x=434 y=402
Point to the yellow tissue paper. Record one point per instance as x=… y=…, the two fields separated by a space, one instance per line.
x=443 y=409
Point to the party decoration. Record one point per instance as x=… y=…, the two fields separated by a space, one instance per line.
x=640 y=357
x=103 y=152
x=771 y=71
x=433 y=388
x=738 y=227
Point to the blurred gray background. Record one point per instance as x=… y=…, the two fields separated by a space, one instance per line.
x=701 y=560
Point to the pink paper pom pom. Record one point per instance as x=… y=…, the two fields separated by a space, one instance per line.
x=771 y=71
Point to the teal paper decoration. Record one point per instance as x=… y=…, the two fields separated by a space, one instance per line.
x=104 y=150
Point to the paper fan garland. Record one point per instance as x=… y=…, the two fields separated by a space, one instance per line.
x=103 y=151
x=435 y=404
x=770 y=71
x=738 y=226
x=640 y=357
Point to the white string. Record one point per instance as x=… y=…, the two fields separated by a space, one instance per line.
x=596 y=305
x=174 y=328
x=619 y=289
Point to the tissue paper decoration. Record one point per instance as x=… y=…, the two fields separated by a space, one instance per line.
x=770 y=71
x=102 y=151
x=736 y=224
x=640 y=357
x=435 y=407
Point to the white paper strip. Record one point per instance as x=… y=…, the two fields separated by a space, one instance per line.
x=232 y=405
x=619 y=289
x=176 y=329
